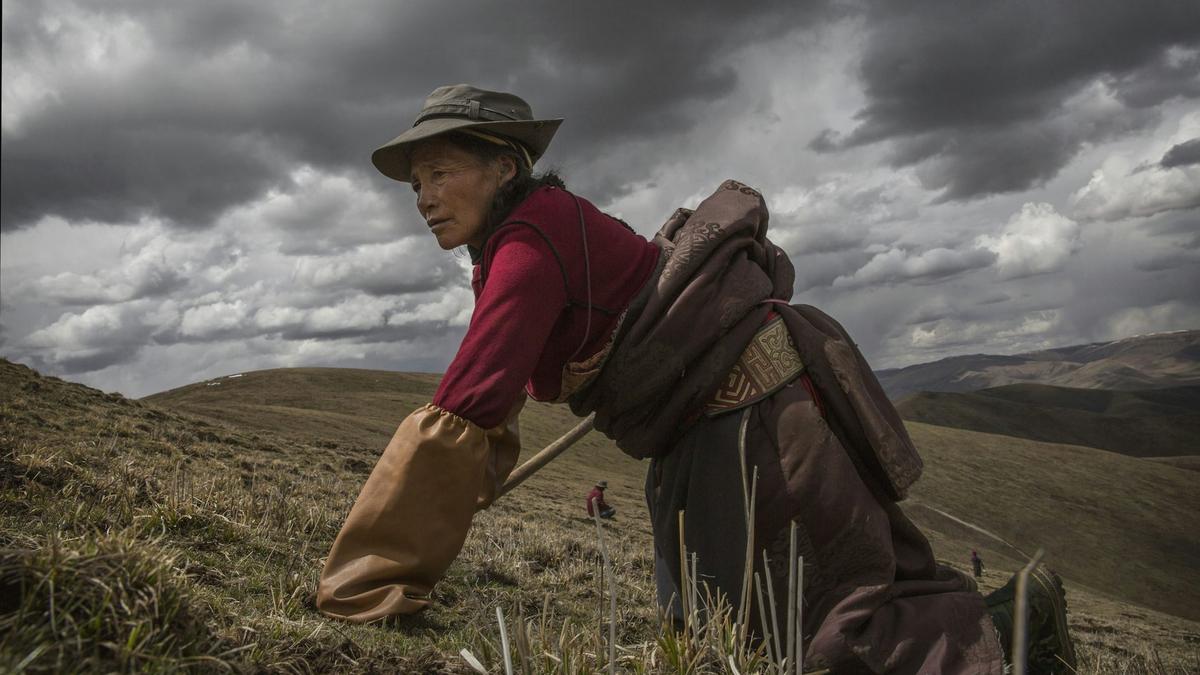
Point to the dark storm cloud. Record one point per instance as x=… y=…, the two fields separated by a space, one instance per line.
x=969 y=308
x=1166 y=260
x=1183 y=154
x=230 y=97
x=1172 y=74
x=994 y=97
x=1178 y=229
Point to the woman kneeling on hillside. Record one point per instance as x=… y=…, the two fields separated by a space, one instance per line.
x=688 y=352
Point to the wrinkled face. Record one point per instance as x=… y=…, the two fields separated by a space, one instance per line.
x=455 y=190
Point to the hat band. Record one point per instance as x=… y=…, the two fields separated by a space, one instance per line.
x=499 y=140
x=467 y=109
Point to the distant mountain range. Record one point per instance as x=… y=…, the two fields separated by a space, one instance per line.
x=1147 y=423
x=1153 y=361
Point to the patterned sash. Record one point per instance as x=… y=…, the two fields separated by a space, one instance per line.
x=769 y=362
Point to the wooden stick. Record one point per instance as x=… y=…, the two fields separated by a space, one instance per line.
x=548 y=453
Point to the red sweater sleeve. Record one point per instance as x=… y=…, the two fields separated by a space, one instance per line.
x=515 y=311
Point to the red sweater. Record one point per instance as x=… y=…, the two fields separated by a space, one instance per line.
x=531 y=303
x=598 y=496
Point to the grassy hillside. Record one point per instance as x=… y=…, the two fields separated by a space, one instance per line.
x=1189 y=462
x=1141 y=362
x=975 y=477
x=359 y=410
x=1149 y=423
x=136 y=537
x=1121 y=526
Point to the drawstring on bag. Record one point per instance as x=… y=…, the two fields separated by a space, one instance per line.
x=587 y=276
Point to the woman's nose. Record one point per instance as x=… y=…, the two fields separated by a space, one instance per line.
x=424 y=201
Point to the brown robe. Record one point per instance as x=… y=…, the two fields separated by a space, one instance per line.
x=875 y=599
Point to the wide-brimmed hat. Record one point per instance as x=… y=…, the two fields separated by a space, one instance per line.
x=602 y=484
x=462 y=106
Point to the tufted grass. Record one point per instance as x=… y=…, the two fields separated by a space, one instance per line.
x=137 y=538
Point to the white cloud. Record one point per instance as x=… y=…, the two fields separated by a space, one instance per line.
x=453 y=308
x=404 y=265
x=358 y=313
x=1006 y=334
x=1115 y=195
x=213 y=319
x=273 y=318
x=1036 y=240
x=97 y=336
x=1134 y=184
x=897 y=265
x=147 y=285
x=1167 y=316
x=321 y=212
x=152 y=261
x=841 y=209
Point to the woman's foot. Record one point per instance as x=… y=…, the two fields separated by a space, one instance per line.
x=1050 y=646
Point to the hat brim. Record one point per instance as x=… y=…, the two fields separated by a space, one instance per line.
x=392 y=158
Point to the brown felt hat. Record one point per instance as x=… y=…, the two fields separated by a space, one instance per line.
x=462 y=106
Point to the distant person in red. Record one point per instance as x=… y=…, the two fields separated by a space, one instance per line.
x=596 y=496
x=977 y=564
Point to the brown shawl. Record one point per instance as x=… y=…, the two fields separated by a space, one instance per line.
x=717 y=278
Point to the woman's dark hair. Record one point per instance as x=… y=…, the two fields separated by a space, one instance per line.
x=516 y=189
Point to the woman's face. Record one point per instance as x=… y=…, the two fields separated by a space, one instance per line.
x=455 y=190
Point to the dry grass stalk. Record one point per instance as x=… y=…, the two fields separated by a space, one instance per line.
x=778 y=645
x=1020 y=638
x=472 y=661
x=748 y=564
x=508 y=668
x=769 y=638
x=686 y=599
x=748 y=497
x=612 y=590
x=693 y=577
x=799 y=600
x=791 y=605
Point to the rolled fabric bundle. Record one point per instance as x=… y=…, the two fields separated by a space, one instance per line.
x=412 y=516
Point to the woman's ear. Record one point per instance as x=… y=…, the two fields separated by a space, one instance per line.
x=508 y=168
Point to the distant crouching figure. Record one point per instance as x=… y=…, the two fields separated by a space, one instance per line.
x=596 y=497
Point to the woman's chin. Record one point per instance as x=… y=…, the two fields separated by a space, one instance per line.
x=448 y=243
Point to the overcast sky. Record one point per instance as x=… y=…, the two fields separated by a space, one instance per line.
x=187 y=189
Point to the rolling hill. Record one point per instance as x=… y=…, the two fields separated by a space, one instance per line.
x=1146 y=423
x=206 y=512
x=1142 y=362
x=1047 y=480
